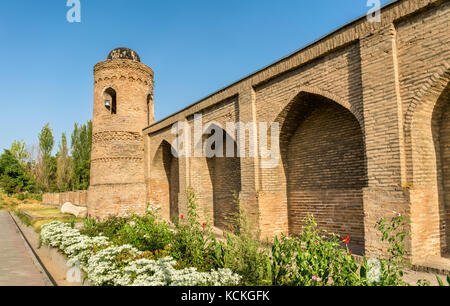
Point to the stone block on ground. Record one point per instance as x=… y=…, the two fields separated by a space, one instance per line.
x=77 y=211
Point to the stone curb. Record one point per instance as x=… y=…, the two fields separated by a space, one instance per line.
x=53 y=262
x=48 y=279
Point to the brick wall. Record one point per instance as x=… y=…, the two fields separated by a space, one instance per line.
x=78 y=198
x=359 y=135
x=325 y=169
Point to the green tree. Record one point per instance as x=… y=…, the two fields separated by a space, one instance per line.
x=20 y=153
x=81 y=155
x=46 y=140
x=64 y=166
x=13 y=178
x=46 y=162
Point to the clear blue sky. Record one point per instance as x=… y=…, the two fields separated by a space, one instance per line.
x=195 y=47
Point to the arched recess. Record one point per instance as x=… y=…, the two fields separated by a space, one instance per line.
x=441 y=138
x=218 y=178
x=324 y=166
x=165 y=181
x=110 y=98
x=427 y=130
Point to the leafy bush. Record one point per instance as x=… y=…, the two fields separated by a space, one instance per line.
x=192 y=239
x=109 y=228
x=318 y=258
x=146 y=233
x=243 y=251
x=313 y=258
x=391 y=268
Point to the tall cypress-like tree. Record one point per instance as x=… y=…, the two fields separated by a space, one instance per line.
x=81 y=155
x=64 y=166
x=46 y=163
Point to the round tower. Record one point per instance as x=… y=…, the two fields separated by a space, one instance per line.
x=123 y=106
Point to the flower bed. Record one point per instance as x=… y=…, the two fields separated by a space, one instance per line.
x=146 y=250
x=106 y=264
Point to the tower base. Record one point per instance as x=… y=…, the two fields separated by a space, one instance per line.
x=116 y=200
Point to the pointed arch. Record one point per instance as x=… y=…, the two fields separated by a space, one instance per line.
x=165 y=181
x=217 y=178
x=427 y=141
x=323 y=164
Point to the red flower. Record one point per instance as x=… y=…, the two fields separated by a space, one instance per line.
x=345 y=240
x=182 y=217
x=204 y=225
x=350 y=253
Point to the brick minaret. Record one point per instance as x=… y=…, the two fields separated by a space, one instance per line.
x=123 y=106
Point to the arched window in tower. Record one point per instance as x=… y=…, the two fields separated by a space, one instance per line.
x=110 y=98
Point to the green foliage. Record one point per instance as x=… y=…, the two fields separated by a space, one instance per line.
x=46 y=163
x=108 y=228
x=46 y=141
x=242 y=251
x=20 y=153
x=441 y=283
x=313 y=258
x=423 y=283
x=190 y=244
x=318 y=258
x=146 y=233
x=394 y=234
x=64 y=166
x=81 y=155
x=47 y=173
x=23 y=218
x=13 y=177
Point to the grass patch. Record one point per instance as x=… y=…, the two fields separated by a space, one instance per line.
x=23 y=218
x=31 y=205
x=41 y=211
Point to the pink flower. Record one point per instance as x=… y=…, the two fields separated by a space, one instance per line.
x=316 y=279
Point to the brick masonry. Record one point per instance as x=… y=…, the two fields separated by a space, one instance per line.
x=364 y=116
x=78 y=198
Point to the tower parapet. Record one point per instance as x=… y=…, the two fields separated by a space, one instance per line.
x=123 y=106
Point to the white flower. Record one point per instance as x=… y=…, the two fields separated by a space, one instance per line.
x=397 y=213
x=101 y=268
x=374 y=272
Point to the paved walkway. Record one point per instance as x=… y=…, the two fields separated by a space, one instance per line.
x=16 y=265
